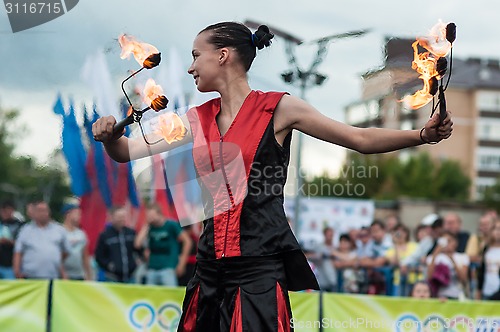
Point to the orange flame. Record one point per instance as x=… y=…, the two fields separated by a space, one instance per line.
x=425 y=63
x=139 y=50
x=171 y=127
x=151 y=91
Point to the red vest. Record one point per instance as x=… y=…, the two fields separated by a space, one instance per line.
x=242 y=175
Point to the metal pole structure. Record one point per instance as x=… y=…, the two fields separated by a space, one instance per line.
x=300 y=137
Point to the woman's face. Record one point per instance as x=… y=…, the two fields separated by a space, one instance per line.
x=422 y=291
x=206 y=63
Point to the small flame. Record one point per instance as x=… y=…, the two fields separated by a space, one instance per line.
x=425 y=63
x=151 y=91
x=141 y=51
x=171 y=127
x=130 y=111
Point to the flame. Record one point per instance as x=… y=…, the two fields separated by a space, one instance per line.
x=140 y=50
x=425 y=63
x=171 y=127
x=151 y=91
x=129 y=111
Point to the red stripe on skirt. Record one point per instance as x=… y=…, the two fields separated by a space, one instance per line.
x=237 y=321
x=189 y=324
x=283 y=316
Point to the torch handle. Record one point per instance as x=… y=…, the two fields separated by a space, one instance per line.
x=442 y=104
x=118 y=128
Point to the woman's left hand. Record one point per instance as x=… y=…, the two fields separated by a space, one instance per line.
x=435 y=130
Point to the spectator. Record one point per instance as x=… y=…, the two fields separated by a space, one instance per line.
x=421 y=290
x=391 y=222
x=402 y=249
x=489 y=272
x=162 y=254
x=477 y=242
x=346 y=261
x=426 y=241
x=448 y=267
x=363 y=243
x=40 y=247
x=115 y=248
x=9 y=229
x=453 y=223
x=323 y=260
x=77 y=264
x=380 y=242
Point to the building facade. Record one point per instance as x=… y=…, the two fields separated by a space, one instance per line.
x=473 y=96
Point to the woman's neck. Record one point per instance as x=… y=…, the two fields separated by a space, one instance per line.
x=233 y=94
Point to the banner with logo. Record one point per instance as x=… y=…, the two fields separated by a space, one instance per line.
x=341 y=214
x=96 y=307
x=380 y=313
x=305 y=307
x=23 y=305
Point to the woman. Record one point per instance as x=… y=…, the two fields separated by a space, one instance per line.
x=489 y=272
x=247 y=255
x=402 y=249
x=447 y=268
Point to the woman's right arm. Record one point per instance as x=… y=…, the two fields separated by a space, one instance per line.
x=123 y=149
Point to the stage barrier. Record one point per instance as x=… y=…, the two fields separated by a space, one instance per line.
x=23 y=305
x=108 y=307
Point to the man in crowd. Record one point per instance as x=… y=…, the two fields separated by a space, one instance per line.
x=77 y=264
x=162 y=238
x=40 y=247
x=9 y=229
x=115 y=248
x=453 y=223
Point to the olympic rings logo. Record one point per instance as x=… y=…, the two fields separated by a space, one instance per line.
x=410 y=322
x=143 y=316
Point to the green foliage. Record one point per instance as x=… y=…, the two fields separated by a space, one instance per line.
x=491 y=196
x=383 y=177
x=21 y=178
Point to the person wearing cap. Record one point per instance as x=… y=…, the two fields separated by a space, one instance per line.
x=77 y=264
x=9 y=228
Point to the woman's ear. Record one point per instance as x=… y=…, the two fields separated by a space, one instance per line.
x=223 y=55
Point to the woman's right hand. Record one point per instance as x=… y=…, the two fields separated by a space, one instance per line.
x=102 y=129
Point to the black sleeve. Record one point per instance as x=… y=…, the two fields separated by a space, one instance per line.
x=102 y=253
x=481 y=270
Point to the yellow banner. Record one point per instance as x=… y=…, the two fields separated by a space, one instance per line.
x=305 y=307
x=109 y=307
x=23 y=305
x=380 y=313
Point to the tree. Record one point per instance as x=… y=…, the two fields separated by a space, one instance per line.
x=382 y=177
x=21 y=178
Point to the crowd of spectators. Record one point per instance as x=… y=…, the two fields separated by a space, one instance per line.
x=435 y=259
x=440 y=259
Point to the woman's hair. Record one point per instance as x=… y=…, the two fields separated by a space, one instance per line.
x=240 y=38
x=419 y=282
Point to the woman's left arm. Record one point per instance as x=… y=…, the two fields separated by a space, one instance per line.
x=294 y=113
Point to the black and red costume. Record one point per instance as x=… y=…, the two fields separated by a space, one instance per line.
x=248 y=257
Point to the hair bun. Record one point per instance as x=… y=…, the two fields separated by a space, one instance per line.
x=263 y=37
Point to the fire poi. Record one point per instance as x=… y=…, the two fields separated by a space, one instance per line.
x=432 y=66
x=171 y=128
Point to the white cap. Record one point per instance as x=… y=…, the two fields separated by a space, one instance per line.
x=429 y=219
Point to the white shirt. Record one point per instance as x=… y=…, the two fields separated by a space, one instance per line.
x=453 y=289
x=491 y=277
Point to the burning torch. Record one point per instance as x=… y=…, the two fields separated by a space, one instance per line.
x=432 y=66
x=148 y=57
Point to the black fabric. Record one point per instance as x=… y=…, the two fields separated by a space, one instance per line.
x=116 y=260
x=462 y=238
x=7 y=250
x=219 y=281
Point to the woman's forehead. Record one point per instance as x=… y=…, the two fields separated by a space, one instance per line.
x=201 y=40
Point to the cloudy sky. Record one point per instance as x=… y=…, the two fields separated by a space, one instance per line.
x=38 y=63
